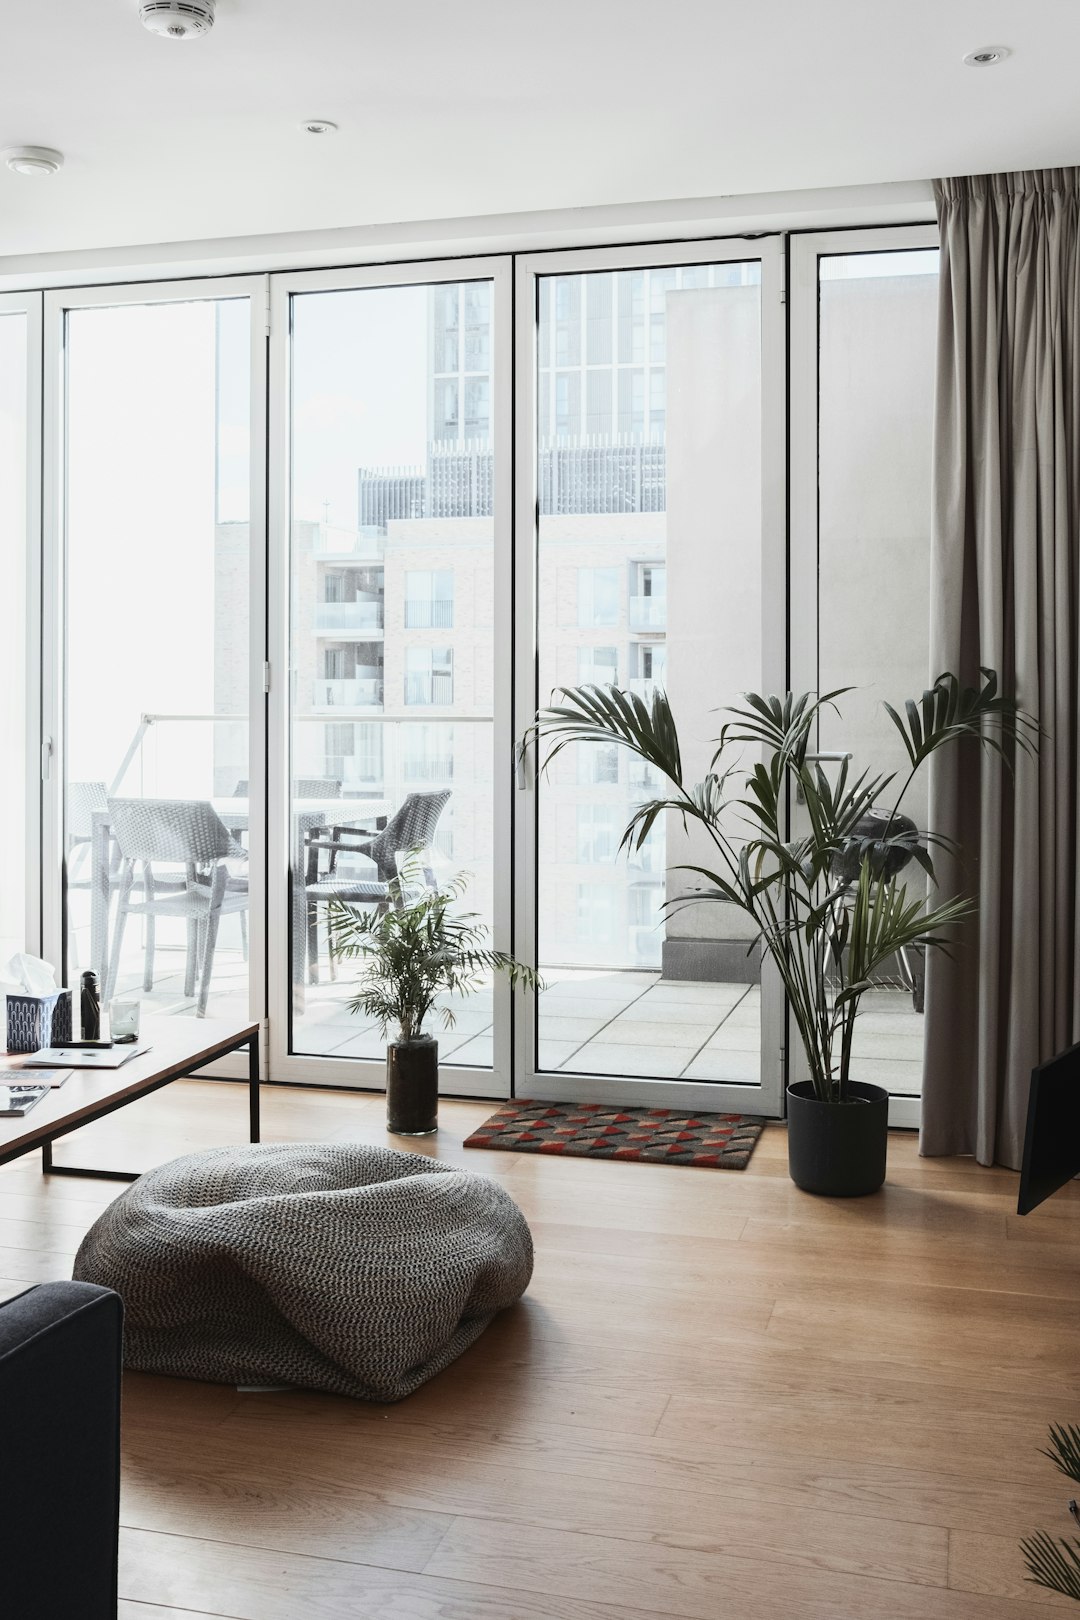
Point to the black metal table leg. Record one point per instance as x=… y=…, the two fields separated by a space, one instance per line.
x=253 y=1085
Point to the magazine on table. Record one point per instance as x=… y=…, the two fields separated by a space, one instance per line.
x=75 y=1057
x=18 y=1100
x=41 y=1077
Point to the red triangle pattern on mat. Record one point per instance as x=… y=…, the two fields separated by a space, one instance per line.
x=593 y=1131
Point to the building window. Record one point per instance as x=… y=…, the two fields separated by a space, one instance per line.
x=429 y=599
x=597 y=764
x=647 y=663
x=477 y=408
x=598 y=597
x=598 y=666
x=597 y=914
x=597 y=834
x=648 y=596
x=446 y=408
x=338 y=745
x=427 y=754
x=567 y=403
x=429 y=675
x=632 y=402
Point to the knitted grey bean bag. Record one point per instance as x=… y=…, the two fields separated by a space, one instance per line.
x=332 y=1266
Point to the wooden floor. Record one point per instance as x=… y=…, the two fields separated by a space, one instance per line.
x=719 y=1398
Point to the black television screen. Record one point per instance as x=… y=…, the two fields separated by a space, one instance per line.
x=1052 y=1139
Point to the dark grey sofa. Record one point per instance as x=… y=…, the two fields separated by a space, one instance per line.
x=60 y=1358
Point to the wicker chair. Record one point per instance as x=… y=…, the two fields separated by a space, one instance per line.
x=413 y=826
x=177 y=832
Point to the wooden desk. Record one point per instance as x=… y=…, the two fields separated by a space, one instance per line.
x=178 y=1046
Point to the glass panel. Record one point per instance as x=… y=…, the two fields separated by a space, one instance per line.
x=157 y=483
x=649 y=573
x=13 y=548
x=392 y=612
x=878 y=315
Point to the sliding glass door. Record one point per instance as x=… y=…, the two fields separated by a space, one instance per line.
x=155 y=596
x=864 y=309
x=650 y=415
x=288 y=678
x=390 y=568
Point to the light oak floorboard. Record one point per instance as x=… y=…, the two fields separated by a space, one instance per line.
x=719 y=1397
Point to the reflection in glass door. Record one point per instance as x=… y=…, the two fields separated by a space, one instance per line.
x=393 y=510
x=864 y=310
x=655 y=567
x=159 y=817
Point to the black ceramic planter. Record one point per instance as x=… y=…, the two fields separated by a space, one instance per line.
x=412 y=1087
x=838 y=1149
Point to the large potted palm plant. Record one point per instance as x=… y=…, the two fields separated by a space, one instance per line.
x=826 y=902
x=413 y=949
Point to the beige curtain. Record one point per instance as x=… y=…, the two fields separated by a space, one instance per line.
x=1004 y=582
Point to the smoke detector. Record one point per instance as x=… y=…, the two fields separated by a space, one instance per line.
x=32 y=159
x=177 y=19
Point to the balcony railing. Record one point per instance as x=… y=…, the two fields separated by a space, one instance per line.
x=354 y=694
x=648 y=613
x=429 y=615
x=645 y=688
x=348 y=618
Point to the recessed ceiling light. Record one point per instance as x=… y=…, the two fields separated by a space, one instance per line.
x=33 y=159
x=318 y=126
x=986 y=56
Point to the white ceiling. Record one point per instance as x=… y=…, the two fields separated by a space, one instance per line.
x=494 y=106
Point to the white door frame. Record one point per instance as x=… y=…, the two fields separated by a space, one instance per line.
x=766 y=1097
x=354 y=1072
x=57 y=304
x=806 y=251
x=37 y=762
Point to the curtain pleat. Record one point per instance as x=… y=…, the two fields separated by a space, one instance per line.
x=1004 y=582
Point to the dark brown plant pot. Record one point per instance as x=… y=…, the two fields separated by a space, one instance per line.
x=412 y=1087
x=838 y=1149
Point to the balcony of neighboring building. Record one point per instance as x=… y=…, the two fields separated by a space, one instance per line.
x=361 y=617
x=355 y=692
x=644 y=686
x=648 y=613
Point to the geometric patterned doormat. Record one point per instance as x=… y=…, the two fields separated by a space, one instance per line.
x=596 y=1131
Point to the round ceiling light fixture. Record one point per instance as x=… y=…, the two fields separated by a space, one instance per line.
x=33 y=159
x=318 y=126
x=986 y=56
x=177 y=19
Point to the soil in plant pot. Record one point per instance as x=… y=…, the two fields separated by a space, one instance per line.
x=838 y=1150
x=412 y=1087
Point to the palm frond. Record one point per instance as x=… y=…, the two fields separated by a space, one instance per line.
x=608 y=714
x=1053 y=1564
x=1064 y=1449
x=948 y=711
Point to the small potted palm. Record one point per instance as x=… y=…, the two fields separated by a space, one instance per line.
x=826 y=902
x=413 y=949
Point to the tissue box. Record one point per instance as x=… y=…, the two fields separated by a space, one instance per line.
x=37 y=1021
